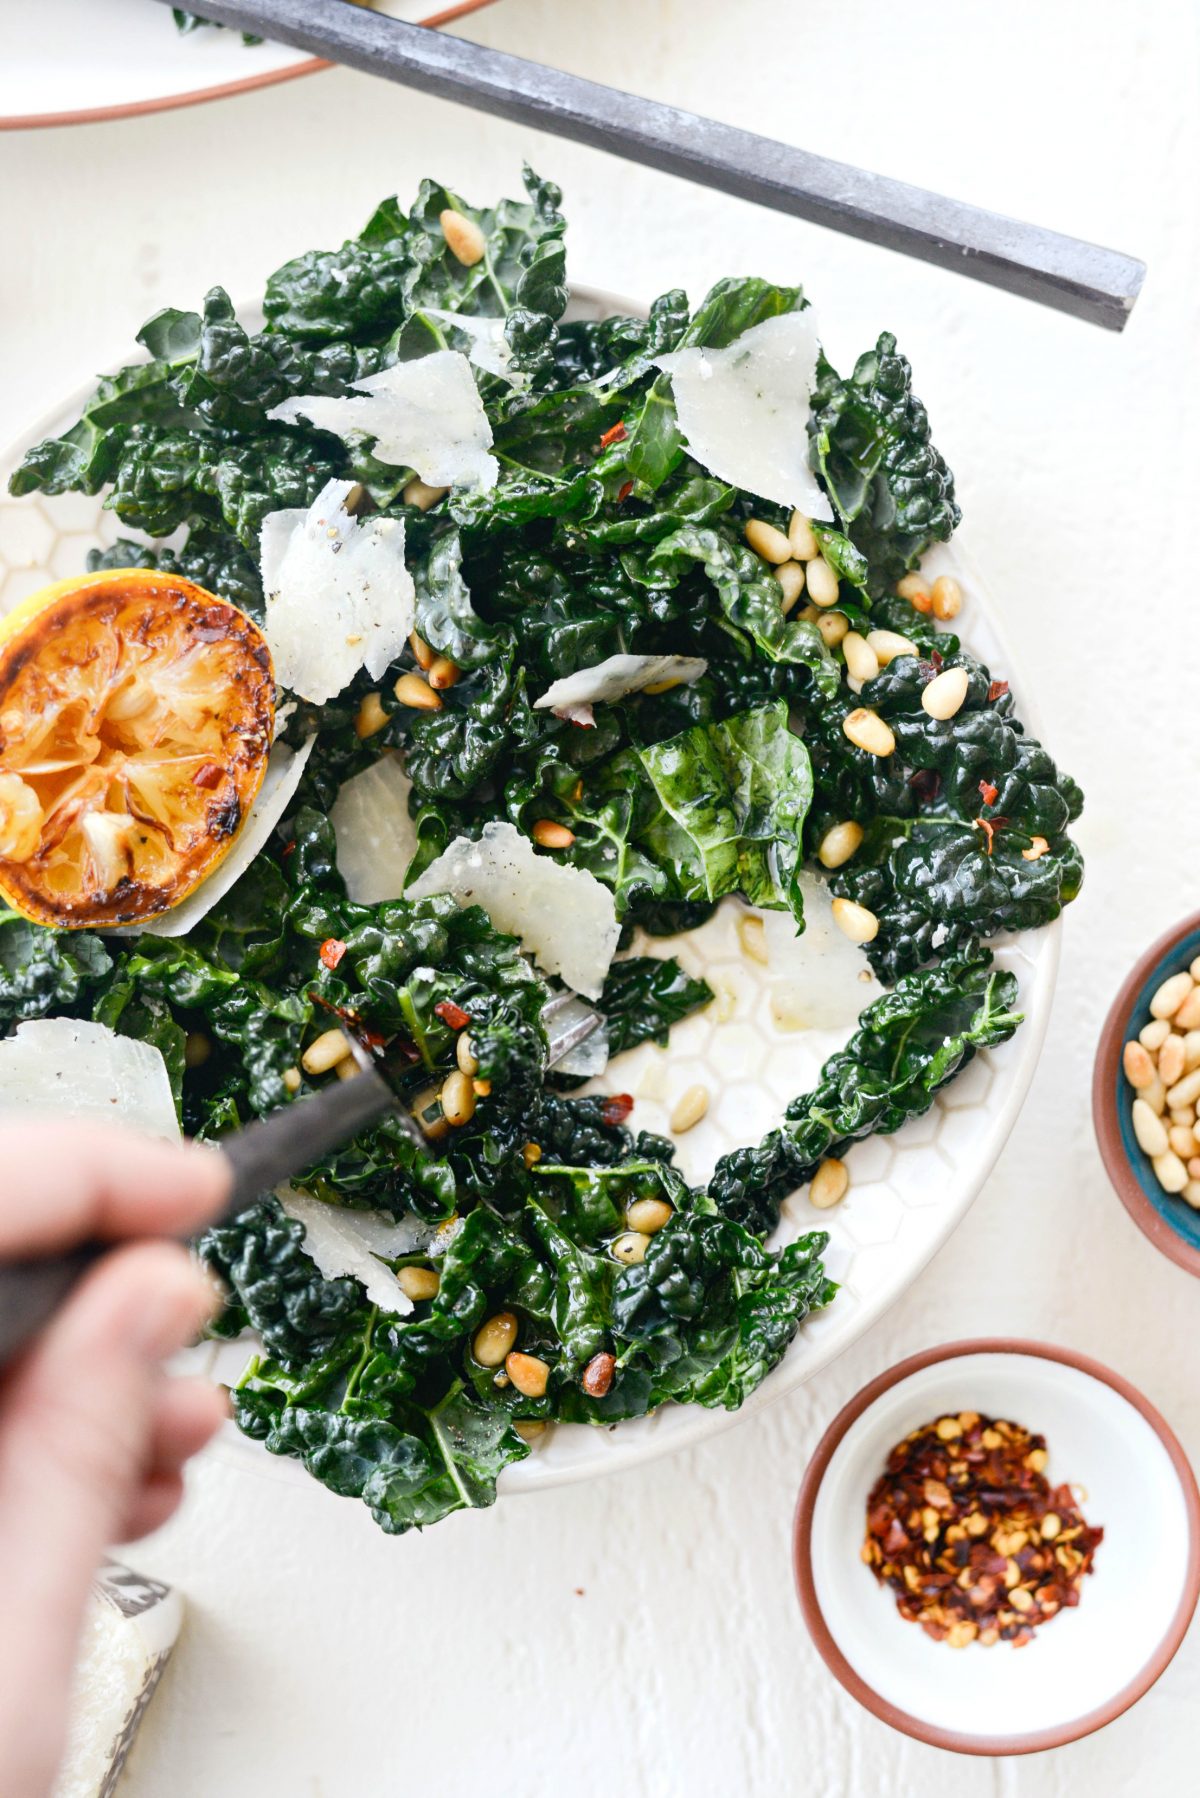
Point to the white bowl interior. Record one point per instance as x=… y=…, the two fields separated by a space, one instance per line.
x=1079 y=1660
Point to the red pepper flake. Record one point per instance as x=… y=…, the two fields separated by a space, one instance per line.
x=935 y=660
x=451 y=1014
x=626 y=490
x=617 y=1108
x=210 y=775
x=997 y=690
x=989 y=792
x=332 y=951
x=968 y=1533
x=926 y=784
x=617 y=434
x=288 y=849
x=989 y=833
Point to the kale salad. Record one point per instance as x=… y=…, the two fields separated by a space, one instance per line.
x=577 y=628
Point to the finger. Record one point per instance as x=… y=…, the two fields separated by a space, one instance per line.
x=85 y=1179
x=155 y=1504
x=188 y=1414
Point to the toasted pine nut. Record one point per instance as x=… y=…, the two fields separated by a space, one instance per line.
x=861 y=660
x=800 y=535
x=1155 y=1096
x=531 y=1154
x=1193 y=1167
x=867 y=730
x=427 y=1109
x=1183 y=1114
x=1191 y=1050
x=371 y=716
x=946 y=595
x=458 y=1099
x=465 y=240
x=790 y=576
x=527 y=1373
x=1191 y=1193
x=822 y=582
x=348 y=1069
x=1194 y=969
x=890 y=644
x=464 y=1054
x=767 y=542
x=530 y=1428
x=1188 y=1015
x=420 y=494
x=423 y=656
x=443 y=673
x=1171 y=1061
x=1038 y=846
x=689 y=1109
x=829 y=1184
x=839 y=843
x=752 y=936
x=630 y=1247
x=1169 y=1171
x=411 y=690
x=482 y=1088
x=196 y=1049
x=549 y=835
x=1148 y=1129
x=291 y=1079
x=597 y=1376
x=324 y=1052
x=1139 y=1069
x=1185 y=1091
x=833 y=627
x=1171 y=995
x=649 y=1215
x=913 y=586
x=1153 y=1036
x=944 y=694
x=494 y=1339
x=1182 y=1141
x=418 y=1282
x=855 y=921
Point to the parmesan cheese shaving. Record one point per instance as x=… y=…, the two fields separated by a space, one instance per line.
x=74 y=1068
x=376 y=837
x=340 y=1249
x=425 y=415
x=563 y=916
x=339 y=596
x=743 y=410
x=574 y=695
x=489 y=348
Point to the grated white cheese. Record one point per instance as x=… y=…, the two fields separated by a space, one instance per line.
x=339 y=596
x=74 y=1068
x=743 y=410
x=284 y=768
x=563 y=916
x=575 y=694
x=425 y=415
x=376 y=837
x=341 y=1248
x=489 y=348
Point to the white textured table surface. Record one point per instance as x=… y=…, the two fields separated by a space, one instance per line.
x=640 y=1635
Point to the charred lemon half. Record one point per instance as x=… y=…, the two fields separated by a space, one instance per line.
x=136 y=714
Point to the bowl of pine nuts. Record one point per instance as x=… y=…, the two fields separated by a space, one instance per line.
x=1146 y=1094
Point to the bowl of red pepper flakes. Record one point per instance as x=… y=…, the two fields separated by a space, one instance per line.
x=990 y=1495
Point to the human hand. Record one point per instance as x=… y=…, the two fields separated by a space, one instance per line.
x=93 y=1434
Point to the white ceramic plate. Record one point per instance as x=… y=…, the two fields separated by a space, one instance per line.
x=907 y=1191
x=73 y=62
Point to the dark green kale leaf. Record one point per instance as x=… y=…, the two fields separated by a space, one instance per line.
x=275 y=1289
x=643 y=996
x=46 y=971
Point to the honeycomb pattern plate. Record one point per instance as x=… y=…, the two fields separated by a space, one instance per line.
x=781 y=1007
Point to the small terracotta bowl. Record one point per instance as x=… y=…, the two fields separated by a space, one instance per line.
x=1170 y=1223
x=1083 y=1667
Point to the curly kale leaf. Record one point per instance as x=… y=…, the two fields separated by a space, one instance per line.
x=210 y=556
x=46 y=971
x=643 y=996
x=274 y=1288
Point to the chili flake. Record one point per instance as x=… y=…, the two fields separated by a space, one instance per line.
x=617 y=1108
x=625 y=491
x=617 y=434
x=926 y=784
x=451 y=1014
x=997 y=690
x=989 y=793
x=332 y=951
x=970 y=1535
x=210 y=774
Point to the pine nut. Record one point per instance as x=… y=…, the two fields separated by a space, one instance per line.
x=1183 y=1114
x=649 y=1215
x=861 y=660
x=423 y=656
x=1182 y=1141
x=1194 y=969
x=411 y=690
x=839 y=843
x=631 y=1247
x=1148 y=1129
x=1153 y=1036
x=464 y=1054
x=752 y=936
x=946 y=595
x=324 y=1052
x=530 y=1428
x=800 y=535
x=913 y=587
x=867 y=730
x=348 y=1069
x=1191 y=1050
x=1155 y=1096
x=1191 y=1193
x=549 y=835
x=494 y=1339
x=1169 y=1171
x=790 y=576
x=689 y=1109
x=528 y=1374
x=465 y=240
x=597 y=1377
x=822 y=582
x=371 y=716
x=1193 y=1167
x=829 y=1184
x=482 y=1088
x=1185 y=1091
x=1171 y=1061
x=291 y=1080
x=1171 y=995
x=767 y=542
x=420 y=494
x=1188 y=1015
x=944 y=694
x=833 y=627
x=427 y=1109
x=443 y=673
x=458 y=1099
x=890 y=644
x=196 y=1049
x=531 y=1154
x=1139 y=1069
x=418 y=1282
x=855 y=921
